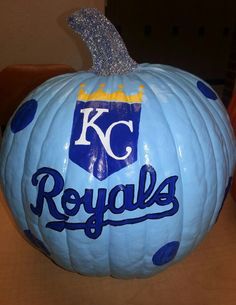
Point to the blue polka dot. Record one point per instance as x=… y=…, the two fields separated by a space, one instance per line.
x=36 y=242
x=207 y=91
x=166 y=253
x=24 y=115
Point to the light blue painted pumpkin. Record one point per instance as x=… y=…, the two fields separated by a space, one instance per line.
x=121 y=170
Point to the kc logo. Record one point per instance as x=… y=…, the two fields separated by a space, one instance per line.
x=105 y=131
x=104 y=138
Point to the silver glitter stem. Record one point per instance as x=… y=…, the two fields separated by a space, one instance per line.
x=107 y=48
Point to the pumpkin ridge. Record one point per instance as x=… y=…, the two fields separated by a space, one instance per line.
x=12 y=141
x=225 y=153
x=216 y=125
x=197 y=136
x=203 y=158
x=146 y=223
x=98 y=79
x=25 y=202
x=66 y=233
x=213 y=113
x=130 y=77
x=218 y=108
x=180 y=102
x=216 y=105
x=225 y=134
x=5 y=150
x=73 y=264
x=6 y=156
x=64 y=101
x=110 y=228
x=173 y=80
x=170 y=132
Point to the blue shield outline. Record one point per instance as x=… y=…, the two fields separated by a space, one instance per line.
x=100 y=125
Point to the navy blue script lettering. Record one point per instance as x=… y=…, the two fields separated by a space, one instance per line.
x=147 y=195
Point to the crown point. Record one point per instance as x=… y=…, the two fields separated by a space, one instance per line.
x=119 y=95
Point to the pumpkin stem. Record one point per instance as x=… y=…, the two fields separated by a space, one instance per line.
x=107 y=48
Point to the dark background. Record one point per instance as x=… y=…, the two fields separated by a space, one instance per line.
x=196 y=36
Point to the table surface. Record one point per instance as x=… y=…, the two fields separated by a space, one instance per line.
x=205 y=277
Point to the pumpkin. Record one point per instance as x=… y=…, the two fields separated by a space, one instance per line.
x=120 y=170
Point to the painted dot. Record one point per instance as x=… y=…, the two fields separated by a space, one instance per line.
x=24 y=115
x=225 y=195
x=166 y=253
x=36 y=242
x=207 y=91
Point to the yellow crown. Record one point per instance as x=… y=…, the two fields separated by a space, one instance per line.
x=116 y=96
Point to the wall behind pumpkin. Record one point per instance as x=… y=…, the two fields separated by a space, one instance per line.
x=35 y=32
x=190 y=34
